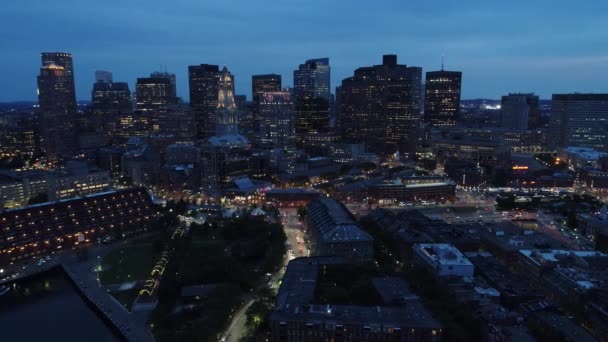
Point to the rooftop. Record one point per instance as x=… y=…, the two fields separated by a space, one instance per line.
x=228 y=139
x=443 y=254
x=295 y=300
x=334 y=222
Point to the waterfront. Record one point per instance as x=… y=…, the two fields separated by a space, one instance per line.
x=47 y=307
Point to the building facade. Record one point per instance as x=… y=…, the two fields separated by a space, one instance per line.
x=579 y=120
x=35 y=230
x=335 y=232
x=443 y=260
x=261 y=84
x=519 y=111
x=377 y=107
x=277 y=129
x=203 y=82
x=57 y=105
x=442 y=97
x=154 y=96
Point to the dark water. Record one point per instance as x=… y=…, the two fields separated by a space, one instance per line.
x=46 y=307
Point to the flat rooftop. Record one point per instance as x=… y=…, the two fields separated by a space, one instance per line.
x=295 y=300
x=443 y=254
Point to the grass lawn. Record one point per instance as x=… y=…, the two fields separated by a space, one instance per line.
x=128 y=263
x=126 y=298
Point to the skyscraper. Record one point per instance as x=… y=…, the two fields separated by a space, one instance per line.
x=312 y=79
x=57 y=101
x=109 y=101
x=579 y=120
x=312 y=102
x=277 y=128
x=204 y=81
x=171 y=77
x=102 y=76
x=377 y=108
x=64 y=60
x=414 y=77
x=261 y=84
x=519 y=111
x=154 y=96
x=226 y=113
x=442 y=97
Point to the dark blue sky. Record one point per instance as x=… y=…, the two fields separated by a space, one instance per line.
x=501 y=46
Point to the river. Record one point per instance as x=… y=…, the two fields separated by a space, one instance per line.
x=46 y=307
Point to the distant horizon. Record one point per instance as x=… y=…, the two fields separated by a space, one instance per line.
x=249 y=100
x=544 y=46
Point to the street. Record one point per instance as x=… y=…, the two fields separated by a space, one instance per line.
x=296 y=247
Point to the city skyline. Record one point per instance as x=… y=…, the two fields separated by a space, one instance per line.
x=528 y=57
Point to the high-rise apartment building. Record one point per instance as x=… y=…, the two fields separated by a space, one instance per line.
x=442 y=97
x=519 y=111
x=579 y=120
x=204 y=82
x=57 y=101
x=377 y=107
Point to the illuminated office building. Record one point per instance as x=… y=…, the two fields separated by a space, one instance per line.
x=172 y=90
x=204 y=82
x=442 y=97
x=312 y=101
x=312 y=79
x=579 y=120
x=262 y=84
x=277 y=128
x=109 y=101
x=57 y=101
x=154 y=96
x=377 y=107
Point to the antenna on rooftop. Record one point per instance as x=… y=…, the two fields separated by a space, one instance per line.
x=442 y=60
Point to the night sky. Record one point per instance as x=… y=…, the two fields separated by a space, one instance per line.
x=500 y=46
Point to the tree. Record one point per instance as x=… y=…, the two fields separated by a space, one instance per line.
x=572 y=221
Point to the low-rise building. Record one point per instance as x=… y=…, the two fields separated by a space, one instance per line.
x=335 y=232
x=443 y=260
x=293 y=197
x=41 y=228
x=486 y=152
x=297 y=316
x=431 y=191
x=579 y=157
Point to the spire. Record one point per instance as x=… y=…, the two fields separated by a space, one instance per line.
x=442 y=61
x=226 y=113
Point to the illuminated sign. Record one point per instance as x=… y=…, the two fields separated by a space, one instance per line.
x=518 y=167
